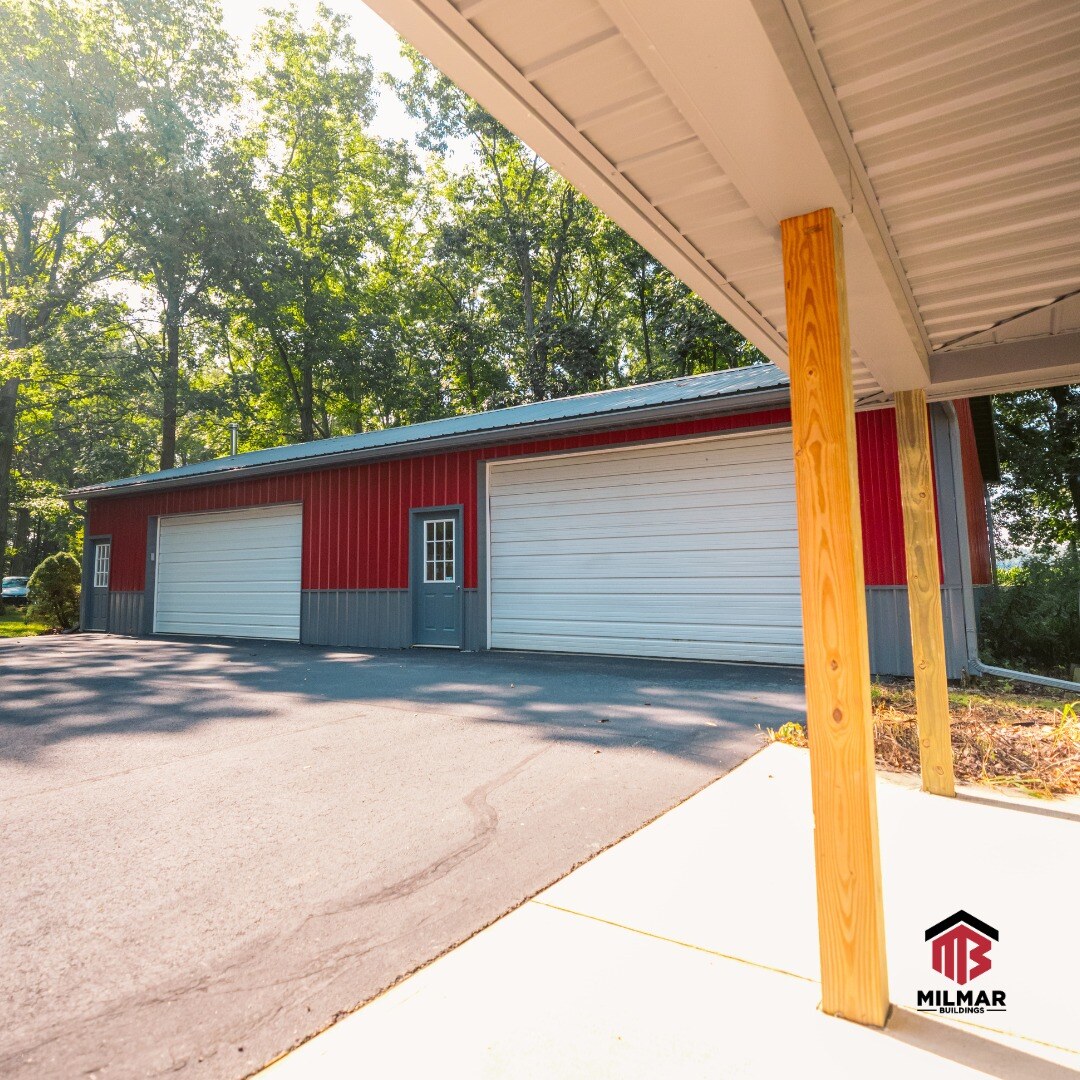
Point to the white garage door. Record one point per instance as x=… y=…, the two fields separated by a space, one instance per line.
x=235 y=573
x=685 y=550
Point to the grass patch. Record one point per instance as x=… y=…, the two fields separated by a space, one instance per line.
x=1001 y=736
x=14 y=623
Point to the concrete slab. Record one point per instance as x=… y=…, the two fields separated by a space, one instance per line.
x=548 y=994
x=749 y=891
x=689 y=950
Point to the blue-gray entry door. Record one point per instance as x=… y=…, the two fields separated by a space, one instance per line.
x=97 y=607
x=436 y=577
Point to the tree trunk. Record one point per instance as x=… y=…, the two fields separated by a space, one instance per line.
x=37 y=548
x=646 y=337
x=18 y=337
x=307 y=357
x=535 y=369
x=21 y=563
x=9 y=394
x=307 y=396
x=170 y=382
x=1067 y=429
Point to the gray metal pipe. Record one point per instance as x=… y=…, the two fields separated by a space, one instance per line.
x=1024 y=676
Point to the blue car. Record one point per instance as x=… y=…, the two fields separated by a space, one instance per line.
x=13 y=590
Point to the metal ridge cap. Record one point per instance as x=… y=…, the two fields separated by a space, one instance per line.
x=731 y=405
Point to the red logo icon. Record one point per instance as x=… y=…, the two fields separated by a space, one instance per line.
x=960 y=947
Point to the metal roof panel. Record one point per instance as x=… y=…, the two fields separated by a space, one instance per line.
x=514 y=421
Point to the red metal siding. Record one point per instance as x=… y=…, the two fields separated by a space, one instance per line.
x=974 y=497
x=356 y=517
x=884 y=557
x=879 y=491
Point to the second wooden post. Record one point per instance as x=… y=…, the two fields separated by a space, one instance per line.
x=924 y=592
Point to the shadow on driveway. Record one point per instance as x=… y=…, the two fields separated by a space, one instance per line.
x=211 y=849
x=56 y=689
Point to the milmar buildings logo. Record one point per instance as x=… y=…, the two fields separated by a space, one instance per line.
x=960 y=951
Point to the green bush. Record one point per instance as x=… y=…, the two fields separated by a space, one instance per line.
x=1031 y=621
x=53 y=591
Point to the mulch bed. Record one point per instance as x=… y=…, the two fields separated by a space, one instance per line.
x=1001 y=735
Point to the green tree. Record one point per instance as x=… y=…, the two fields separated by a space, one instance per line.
x=1032 y=623
x=1037 y=507
x=459 y=326
x=327 y=231
x=172 y=195
x=516 y=215
x=60 y=106
x=86 y=407
x=579 y=305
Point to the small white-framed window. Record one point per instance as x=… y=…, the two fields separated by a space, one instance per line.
x=102 y=561
x=439 y=543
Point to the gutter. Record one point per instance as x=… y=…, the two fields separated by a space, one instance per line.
x=975 y=665
x=748 y=401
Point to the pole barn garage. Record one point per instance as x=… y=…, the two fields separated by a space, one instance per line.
x=654 y=520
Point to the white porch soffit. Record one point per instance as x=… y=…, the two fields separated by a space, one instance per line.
x=946 y=135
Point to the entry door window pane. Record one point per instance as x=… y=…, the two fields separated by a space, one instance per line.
x=439 y=550
x=102 y=559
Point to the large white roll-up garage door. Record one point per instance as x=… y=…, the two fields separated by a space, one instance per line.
x=234 y=573
x=682 y=550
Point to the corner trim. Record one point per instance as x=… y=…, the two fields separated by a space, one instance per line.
x=483 y=548
x=85 y=582
x=150 y=575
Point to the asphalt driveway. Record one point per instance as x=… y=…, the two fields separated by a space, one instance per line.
x=210 y=850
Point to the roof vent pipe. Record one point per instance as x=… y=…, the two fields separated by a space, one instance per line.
x=232 y=440
x=975 y=665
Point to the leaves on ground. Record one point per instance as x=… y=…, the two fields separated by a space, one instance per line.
x=1001 y=736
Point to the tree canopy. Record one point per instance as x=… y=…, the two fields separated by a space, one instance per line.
x=194 y=235
x=1037 y=508
x=191 y=238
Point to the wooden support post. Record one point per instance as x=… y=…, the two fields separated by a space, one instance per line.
x=854 y=981
x=924 y=592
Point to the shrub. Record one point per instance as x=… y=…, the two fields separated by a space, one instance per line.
x=1032 y=623
x=53 y=591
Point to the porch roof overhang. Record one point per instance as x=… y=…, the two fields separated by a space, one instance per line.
x=946 y=137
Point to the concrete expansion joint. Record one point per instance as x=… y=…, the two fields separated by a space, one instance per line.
x=672 y=941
